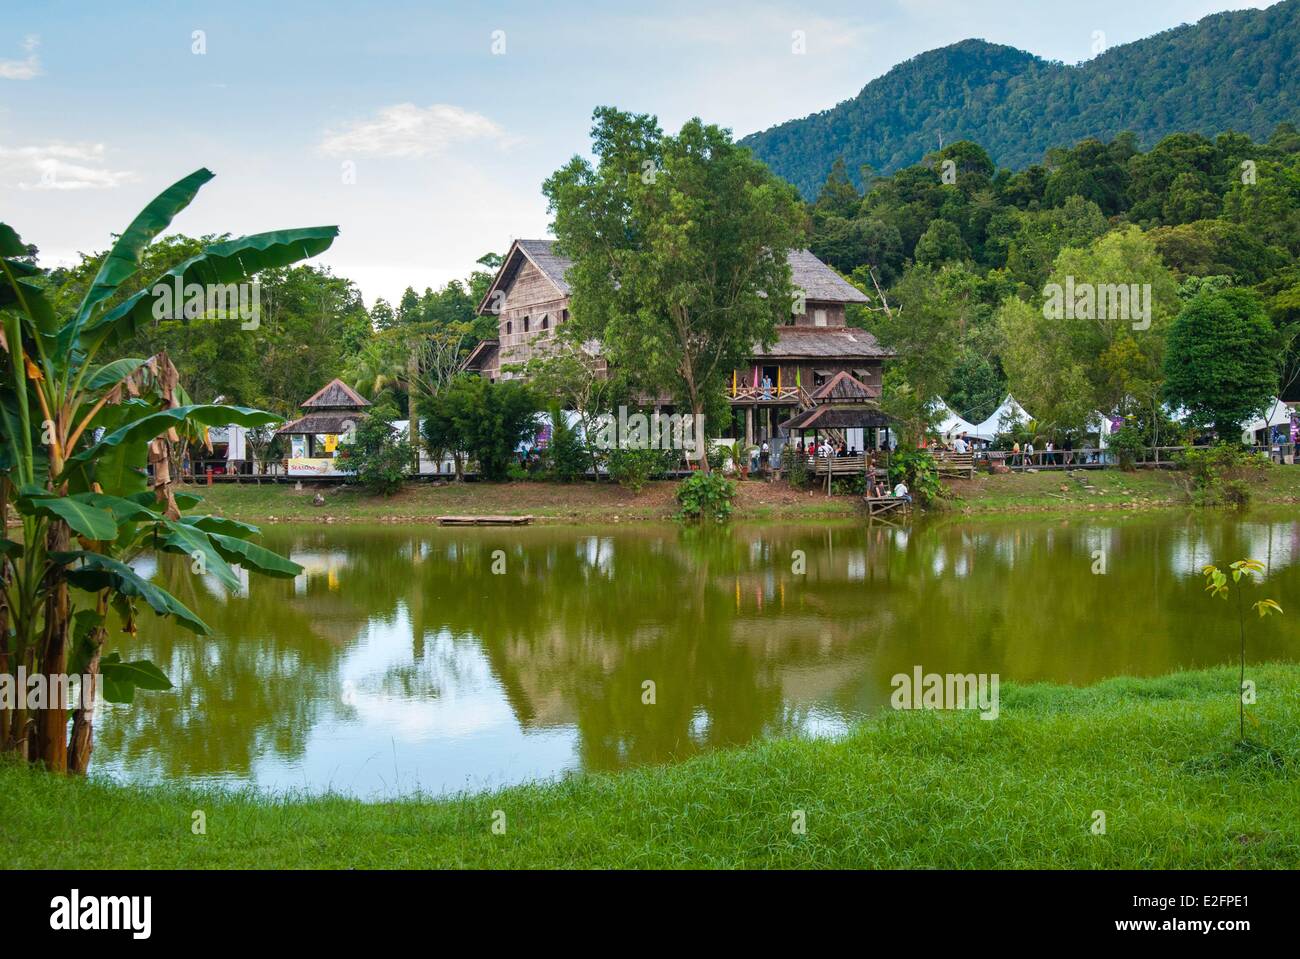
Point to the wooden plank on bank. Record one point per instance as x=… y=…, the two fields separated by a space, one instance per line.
x=484 y=520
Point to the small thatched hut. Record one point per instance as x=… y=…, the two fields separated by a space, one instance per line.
x=333 y=411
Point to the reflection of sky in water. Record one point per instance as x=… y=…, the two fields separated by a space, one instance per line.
x=396 y=662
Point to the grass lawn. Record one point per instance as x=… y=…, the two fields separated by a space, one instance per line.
x=587 y=502
x=904 y=790
x=582 y=502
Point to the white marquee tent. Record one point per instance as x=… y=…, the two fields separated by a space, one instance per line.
x=951 y=425
x=1277 y=414
x=1006 y=415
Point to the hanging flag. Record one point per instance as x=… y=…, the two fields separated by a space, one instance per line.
x=755 y=377
x=733 y=382
x=798 y=377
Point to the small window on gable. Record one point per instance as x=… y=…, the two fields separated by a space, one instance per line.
x=819 y=317
x=528 y=322
x=564 y=316
x=546 y=321
x=509 y=327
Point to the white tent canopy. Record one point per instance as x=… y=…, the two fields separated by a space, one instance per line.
x=1006 y=415
x=1276 y=414
x=950 y=424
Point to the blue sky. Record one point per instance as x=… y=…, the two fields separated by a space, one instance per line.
x=103 y=104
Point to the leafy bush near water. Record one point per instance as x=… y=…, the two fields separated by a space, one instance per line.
x=917 y=469
x=1221 y=475
x=632 y=468
x=377 y=458
x=706 y=496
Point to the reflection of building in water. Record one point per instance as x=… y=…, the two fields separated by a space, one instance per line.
x=1192 y=548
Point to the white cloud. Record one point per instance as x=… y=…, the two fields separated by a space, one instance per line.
x=59 y=166
x=405 y=130
x=26 y=68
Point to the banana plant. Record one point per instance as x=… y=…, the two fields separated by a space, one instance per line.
x=84 y=463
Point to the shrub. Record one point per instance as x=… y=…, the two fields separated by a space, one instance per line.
x=1126 y=443
x=631 y=468
x=1221 y=475
x=917 y=469
x=705 y=496
x=488 y=421
x=566 y=456
x=377 y=458
x=796 y=468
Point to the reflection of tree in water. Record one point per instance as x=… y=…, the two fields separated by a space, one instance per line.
x=737 y=643
x=266 y=676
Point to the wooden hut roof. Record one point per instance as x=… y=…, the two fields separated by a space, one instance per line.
x=324 y=422
x=538 y=252
x=336 y=395
x=819 y=281
x=482 y=357
x=843 y=387
x=824 y=342
x=838 y=417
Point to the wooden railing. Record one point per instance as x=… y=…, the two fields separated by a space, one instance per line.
x=745 y=394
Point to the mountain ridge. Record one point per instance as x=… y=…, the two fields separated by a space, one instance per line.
x=1237 y=70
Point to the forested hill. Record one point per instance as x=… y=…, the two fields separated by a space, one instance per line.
x=1231 y=71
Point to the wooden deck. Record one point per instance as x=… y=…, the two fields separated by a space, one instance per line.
x=885 y=505
x=484 y=520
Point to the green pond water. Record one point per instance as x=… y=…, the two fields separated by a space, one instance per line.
x=399 y=661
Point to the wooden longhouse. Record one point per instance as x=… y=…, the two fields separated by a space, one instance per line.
x=530 y=296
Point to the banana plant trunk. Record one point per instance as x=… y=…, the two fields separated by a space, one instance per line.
x=5 y=716
x=52 y=721
x=81 y=742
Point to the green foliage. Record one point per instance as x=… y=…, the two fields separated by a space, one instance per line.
x=679 y=246
x=916 y=468
x=796 y=468
x=76 y=433
x=1194 y=78
x=487 y=421
x=1222 y=474
x=566 y=457
x=1065 y=369
x=377 y=459
x=1222 y=364
x=1127 y=443
x=1216 y=584
x=706 y=497
x=633 y=468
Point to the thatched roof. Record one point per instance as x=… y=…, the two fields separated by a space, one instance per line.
x=333 y=421
x=824 y=342
x=843 y=387
x=838 y=417
x=818 y=281
x=336 y=395
x=482 y=357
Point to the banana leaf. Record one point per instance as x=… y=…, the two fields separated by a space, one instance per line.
x=255 y=558
x=228 y=262
x=101 y=572
x=123 y=259
x=155 y=424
